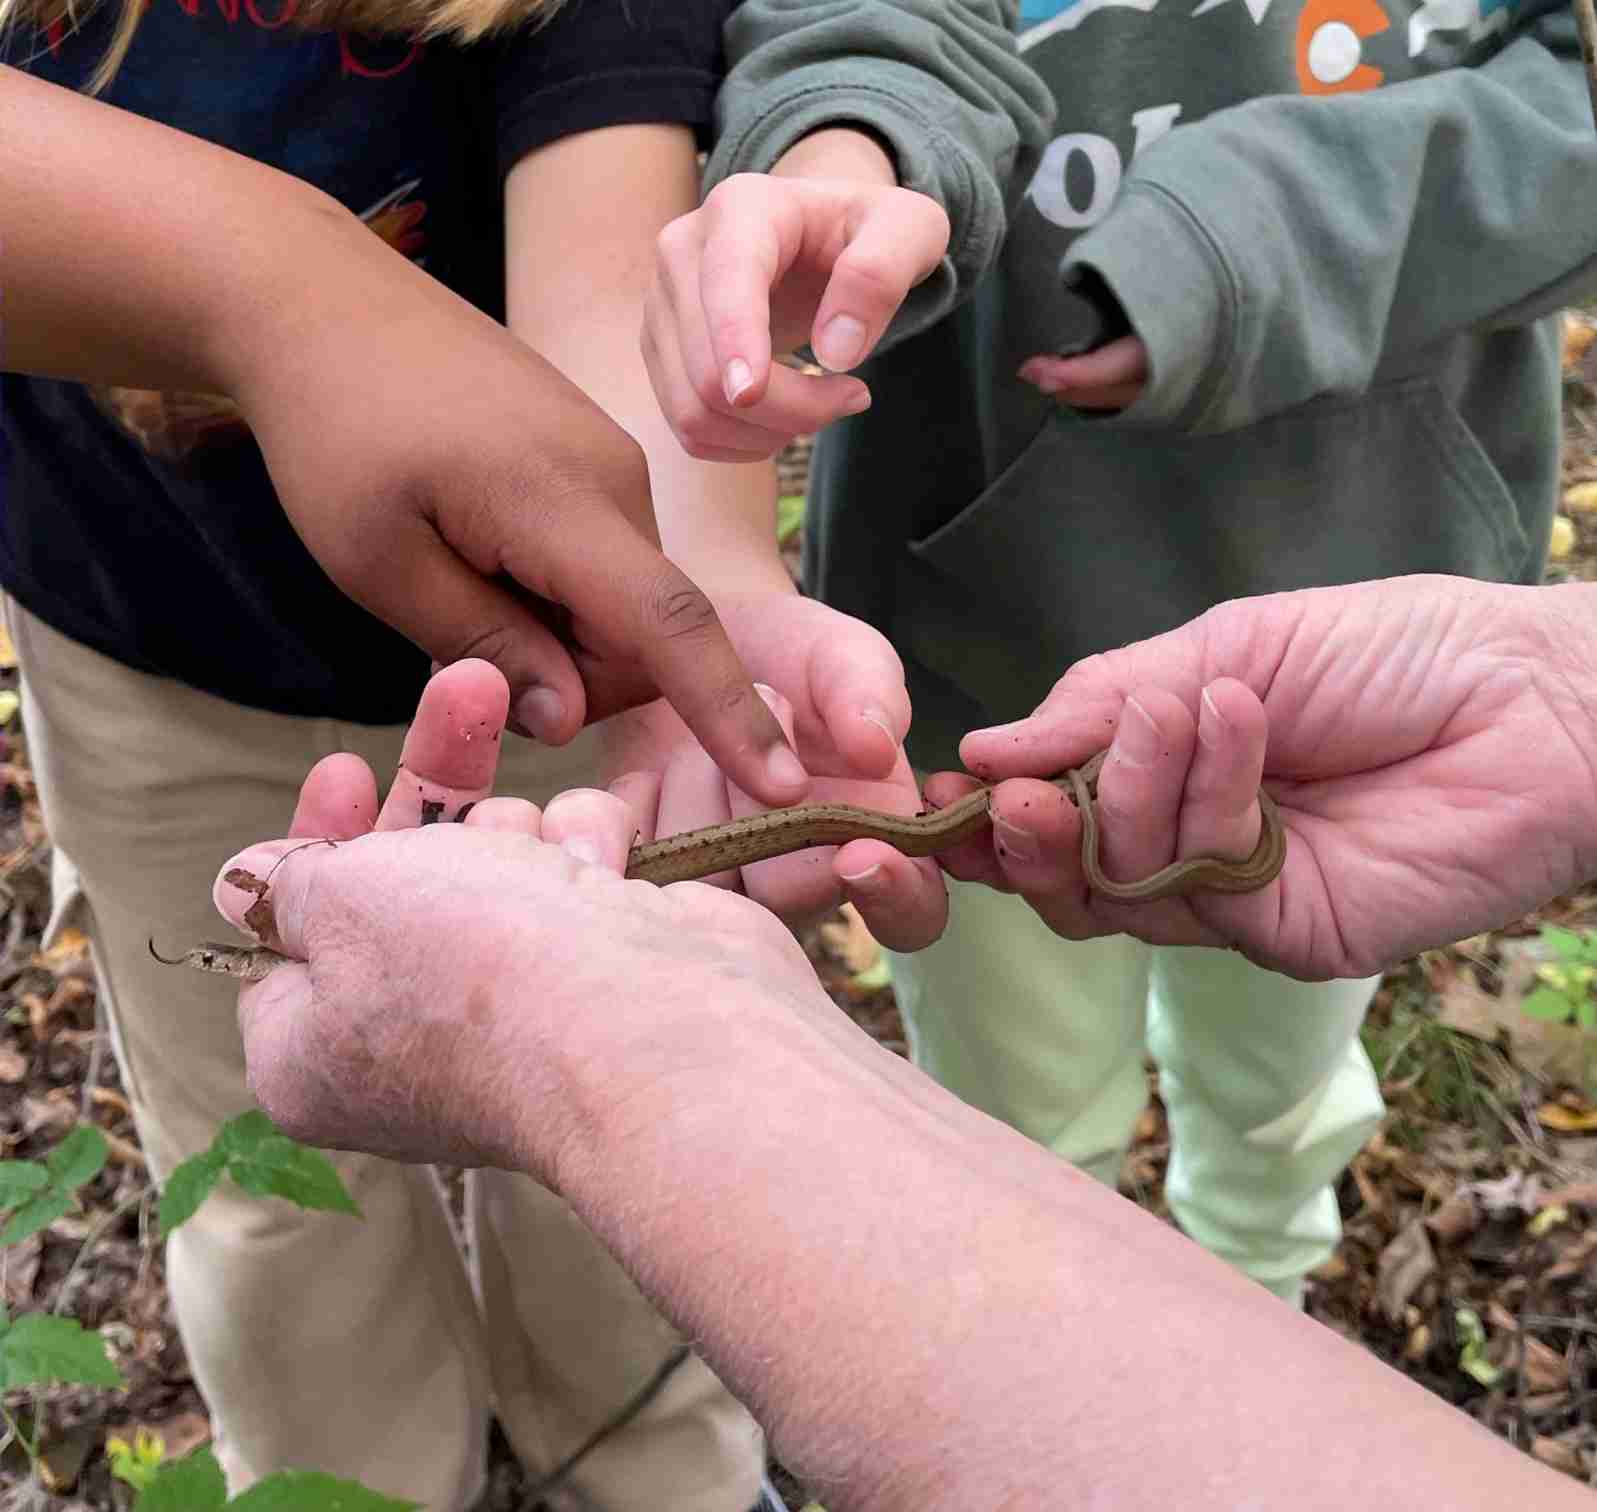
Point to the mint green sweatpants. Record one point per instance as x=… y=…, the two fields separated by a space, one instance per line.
x=1268 y=1089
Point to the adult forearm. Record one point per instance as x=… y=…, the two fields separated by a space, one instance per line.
x=133 y=253
x=927 y=1311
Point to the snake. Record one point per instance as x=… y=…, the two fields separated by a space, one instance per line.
x=696 y=854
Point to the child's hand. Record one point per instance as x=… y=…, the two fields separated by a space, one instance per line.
x=847 y=716
x=455 y=484
x=767 y=263
x=1110 y=378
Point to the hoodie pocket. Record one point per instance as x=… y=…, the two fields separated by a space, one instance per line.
x=1096 y=535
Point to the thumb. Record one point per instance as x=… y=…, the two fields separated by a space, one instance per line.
x=264 y=891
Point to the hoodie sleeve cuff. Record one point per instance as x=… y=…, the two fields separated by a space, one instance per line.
x=929 y=159
x=1179 y=295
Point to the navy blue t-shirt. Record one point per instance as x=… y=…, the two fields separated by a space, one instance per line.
x=144 y=524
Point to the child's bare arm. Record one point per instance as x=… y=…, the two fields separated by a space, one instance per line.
x=420 y=450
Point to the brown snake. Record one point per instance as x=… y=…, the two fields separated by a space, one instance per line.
x=780 y=832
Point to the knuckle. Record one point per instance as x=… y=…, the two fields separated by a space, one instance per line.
x=680 y=609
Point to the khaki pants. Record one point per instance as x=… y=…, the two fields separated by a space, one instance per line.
x=1268 y=1089
x=320 y=1341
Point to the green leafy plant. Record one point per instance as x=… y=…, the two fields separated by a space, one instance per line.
x=138 y=1462
x=195 y=1484
x=42 y=1349
x=1472 y=1348
x=1565 y=991
x=789 y=517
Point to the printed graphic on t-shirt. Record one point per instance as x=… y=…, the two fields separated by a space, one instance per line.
x=173 y=425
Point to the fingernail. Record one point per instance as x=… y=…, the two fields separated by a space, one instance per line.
x=541 y=711
x=785 y=770
x=859 y=403
x=842 y=343
x=868 y=880
x=1013 y=841
x=736 y=379
x=581 y=848
x=1138 y=739
x=878 y=718
x=1212 y=724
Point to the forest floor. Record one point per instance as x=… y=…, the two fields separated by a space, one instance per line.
x=1469 y=1260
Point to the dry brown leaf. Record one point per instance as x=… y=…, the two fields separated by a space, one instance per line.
x=1581 y=498
x=1578 y=335
x=1545 y=1368
x=1561 y=541
x=71 y=948
x=1556 y=1116
x=1456 y=1219
x=1554 y=1052
x=13 y=1065
x=1418 y=1345
x=124 y=1152
x=1405 y=1264
x=1558 y=1453
x=850 y=942
x=109 y=1097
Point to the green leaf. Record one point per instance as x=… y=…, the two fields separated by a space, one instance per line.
x=1586 y=1013
x=311 y=1491
x=19 y=1179
x=40 y=1212
x=1544 y=1003
x=194 y=1483
x=789 y=517
x=1564 y=943
x=268 y=1164
x=78 y=1158
x=40 y=1349
x=188 y=1186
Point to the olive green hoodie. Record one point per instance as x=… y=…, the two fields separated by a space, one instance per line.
x=1338 y=226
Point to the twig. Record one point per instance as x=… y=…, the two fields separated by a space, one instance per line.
x=1571 y=1325
x=629 y=1410
x=1586 y=25
x=125 y=1206
x=96 y=1060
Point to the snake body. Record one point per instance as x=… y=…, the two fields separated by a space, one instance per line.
x=700 y=853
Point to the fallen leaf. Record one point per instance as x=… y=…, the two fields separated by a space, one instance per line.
x=1456 y=1219
x=13 y=1065
x=849 y=941
x=1561 y=542
x=1405 y=1264
x=1578 y=335
x=1548 y=1219
x=8 y=652
x=1515 y=1193
x=71 y=947
x=109 y=1097
x=1544 y=1368
x=1556 y=1116
x=1557 y=1453
x=1418 y=1345
x=1581 y=498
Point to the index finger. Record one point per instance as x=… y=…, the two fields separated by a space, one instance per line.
x=634 y=601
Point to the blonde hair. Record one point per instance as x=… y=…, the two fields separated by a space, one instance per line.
x=421 y=20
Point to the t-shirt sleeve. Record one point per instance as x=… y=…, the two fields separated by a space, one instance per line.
x=601 y=63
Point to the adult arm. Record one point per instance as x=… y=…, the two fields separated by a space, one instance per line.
x=925 y=1309
x=422 y=453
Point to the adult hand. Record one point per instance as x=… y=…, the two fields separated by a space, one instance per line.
x=450 y=967
x=1429 y=742
x=838 y=688
x=823 y=249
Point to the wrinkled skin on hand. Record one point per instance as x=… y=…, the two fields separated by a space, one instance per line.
x=1430 y=742
x=454 y=973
